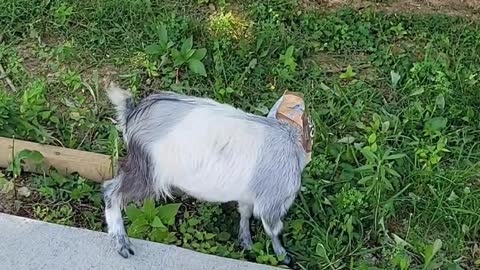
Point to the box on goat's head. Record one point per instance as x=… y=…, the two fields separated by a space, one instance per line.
x=291 y=108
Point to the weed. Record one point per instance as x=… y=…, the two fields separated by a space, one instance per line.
x=62 y=14
x=187 y=55
x=6 y=186
x=16 y=165
x=288 y=66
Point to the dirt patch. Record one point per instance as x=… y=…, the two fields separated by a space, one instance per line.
x=32 y=64
x=15 y=204
x=336 y=64
x=463 y=8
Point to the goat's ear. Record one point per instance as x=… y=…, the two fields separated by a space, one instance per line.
x=274 y=109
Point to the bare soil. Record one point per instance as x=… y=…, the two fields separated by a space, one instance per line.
x=463 y=8
x=14 y=204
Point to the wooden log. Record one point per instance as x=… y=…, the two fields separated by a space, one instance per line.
x=93 y=166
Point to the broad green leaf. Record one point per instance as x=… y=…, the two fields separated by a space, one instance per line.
x=454 y=266
x=431 y=251
x=368 y=154
x=167 y=213
x=417 y=92
x=253 y=63
x=154 y=49
x=364 y=168
x=187 y=45
x=395 y=77
x=179 y=61
x=402 y=261
x=385 y=126
x=171 y=238
x=257 y=247
x=442 y=142
x=372 y=138
x=149 y=208
x=157 y=223
x=199 y=236
x=349 y=225
x=159 y=235
x=54 y=119
x=400 y=241
x=440 y=101
x=365 y=180
x=453 y=196
x=199 y=54
x=133 y=212
x=189 y=54
x=321 y=251
x=6 y=186
x=347 y=140
x=23 y=154
x=138 y=228
x=436 y=123
x=163 y=35
x=223 y=236
x=395 y=156
x=324 y=87
x=209 y=236
x=47 y=192
x=349 y=73
x=261 y=107
x=193 y=222
x=177 y=58
x=58 y=178
x=392 y=172
x=197 y=67
x=387 y=183
x=374 y=147
x=139 y=222
x=76 y=193
x=35 y=157
x=297 y=224
x=289 y=52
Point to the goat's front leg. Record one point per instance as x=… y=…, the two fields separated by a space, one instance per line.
x=245 y=236
x=113 y=216
x=271 y=216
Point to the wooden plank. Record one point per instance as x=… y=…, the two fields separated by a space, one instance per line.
x=93 y=166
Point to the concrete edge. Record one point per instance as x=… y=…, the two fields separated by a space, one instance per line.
x=31 y=244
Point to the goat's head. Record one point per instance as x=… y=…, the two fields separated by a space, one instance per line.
x=290 y=107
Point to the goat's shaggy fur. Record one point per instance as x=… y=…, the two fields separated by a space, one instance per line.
x=210 y=151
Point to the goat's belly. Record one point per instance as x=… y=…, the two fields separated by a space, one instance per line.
x=214 y=188
x=210 y=179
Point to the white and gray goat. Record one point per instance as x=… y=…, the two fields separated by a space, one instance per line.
x=210 y=151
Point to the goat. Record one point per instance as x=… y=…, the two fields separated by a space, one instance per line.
x=212 y=152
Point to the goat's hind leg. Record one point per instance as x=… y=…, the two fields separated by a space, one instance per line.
x=113 y=215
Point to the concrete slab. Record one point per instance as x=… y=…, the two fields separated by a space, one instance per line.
x=30 y=244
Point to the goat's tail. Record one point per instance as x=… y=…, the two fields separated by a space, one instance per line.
x=123 y=102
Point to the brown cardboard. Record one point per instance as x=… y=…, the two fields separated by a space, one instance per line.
x=287 y=112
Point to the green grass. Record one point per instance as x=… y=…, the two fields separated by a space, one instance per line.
x=396 y=164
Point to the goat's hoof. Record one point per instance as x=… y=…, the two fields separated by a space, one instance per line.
x=288 y=260
x=126 y=251
x=246 y=243
x=123 y=246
